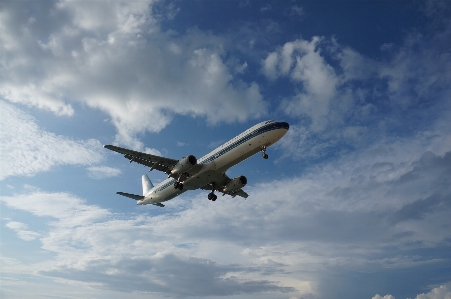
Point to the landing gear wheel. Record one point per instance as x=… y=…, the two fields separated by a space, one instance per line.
x=263 y=150
x=178 y=185
x=212 y=196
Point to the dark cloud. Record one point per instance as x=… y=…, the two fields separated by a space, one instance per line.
x=421 y=207
x=171 y=275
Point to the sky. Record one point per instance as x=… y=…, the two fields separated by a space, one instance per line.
x=353 y=202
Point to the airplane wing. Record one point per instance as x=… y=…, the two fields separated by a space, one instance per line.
x=154 y=162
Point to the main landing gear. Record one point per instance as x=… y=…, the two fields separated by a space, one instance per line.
x=263 y=150
x=212 y=196
x=178 y=185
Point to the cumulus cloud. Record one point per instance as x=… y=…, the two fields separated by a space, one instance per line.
x=113 y=56
x=441 y=292
x=26 y=149
x=344 y=97
x=416 y=71
x=302 y=62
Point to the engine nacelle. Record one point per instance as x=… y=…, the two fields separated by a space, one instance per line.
x=183 y=165
x=235 y=184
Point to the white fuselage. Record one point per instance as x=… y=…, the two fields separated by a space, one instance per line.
x=216 y=163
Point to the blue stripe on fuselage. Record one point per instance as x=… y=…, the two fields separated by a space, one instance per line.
x=269 y=127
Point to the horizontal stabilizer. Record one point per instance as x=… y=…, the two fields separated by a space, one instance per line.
x=135 y=197
x=158 y=204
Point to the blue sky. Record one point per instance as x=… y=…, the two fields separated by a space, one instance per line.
x=354 y=201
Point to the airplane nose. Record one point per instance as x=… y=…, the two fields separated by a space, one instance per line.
x=284 y=125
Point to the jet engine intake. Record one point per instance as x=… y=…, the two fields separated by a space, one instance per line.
x=235 y=184
x=183 y=165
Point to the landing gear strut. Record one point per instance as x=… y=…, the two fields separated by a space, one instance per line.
x=212 y=196
x=263 y=150
x=178 y=185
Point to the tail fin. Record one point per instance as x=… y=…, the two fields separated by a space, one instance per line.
x=147 y=184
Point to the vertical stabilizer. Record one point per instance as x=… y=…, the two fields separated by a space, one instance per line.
x=147 y=184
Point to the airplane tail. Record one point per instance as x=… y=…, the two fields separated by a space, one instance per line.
x=147 y=184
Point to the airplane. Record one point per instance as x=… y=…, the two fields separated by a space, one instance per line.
x=208 y=172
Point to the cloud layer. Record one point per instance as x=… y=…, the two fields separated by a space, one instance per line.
x=371 y=212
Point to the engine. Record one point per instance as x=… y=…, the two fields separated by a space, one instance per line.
x=183 y=165
x=235 y=184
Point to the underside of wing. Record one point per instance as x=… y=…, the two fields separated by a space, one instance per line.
x=151 y=161
x=224 y=184
x=239 y=192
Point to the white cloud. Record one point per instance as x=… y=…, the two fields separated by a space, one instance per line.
x=114 y=57
x=302 y=62
x=69 y=210
x=26 y=149
x=101 y=172
x=346 y=99
x=441 y=292
x=21 y=230
x=241 y=68
x=152 y=151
